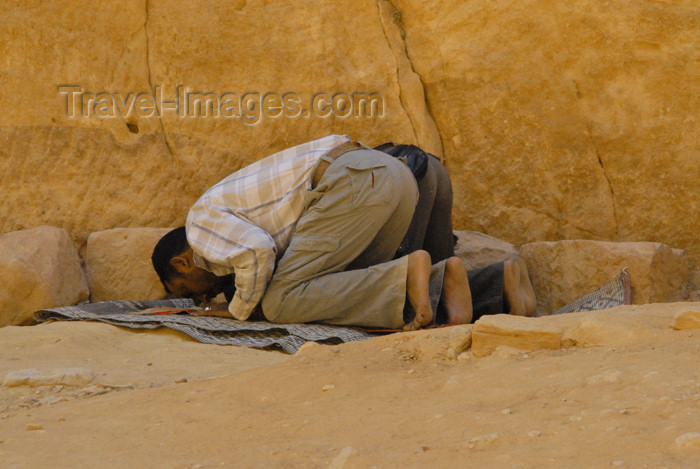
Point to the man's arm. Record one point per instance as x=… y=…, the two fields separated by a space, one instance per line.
x=227 y=244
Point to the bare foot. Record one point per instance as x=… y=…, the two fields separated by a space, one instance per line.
x=456 y=296
x=417 y=289
x=517 y=287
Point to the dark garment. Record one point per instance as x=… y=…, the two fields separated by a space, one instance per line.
x=486 y=285
x=431 y=230
x=431 y=226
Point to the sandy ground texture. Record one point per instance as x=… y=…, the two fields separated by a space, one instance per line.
x=621 y=390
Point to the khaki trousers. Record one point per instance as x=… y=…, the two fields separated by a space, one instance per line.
x=338 y=268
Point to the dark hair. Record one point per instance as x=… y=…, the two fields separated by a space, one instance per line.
x=169 y=246
x=415 y=158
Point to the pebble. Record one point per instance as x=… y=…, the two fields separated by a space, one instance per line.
x=452 y=381
x=51 y=400
x=339 y=461
x=465 y=356
x=92 y=390
x=617 y=463
x=483 y=441
x=534 y=433
x=609 y=377
x=34 y=426
x=506 y=411
x=328 y=387
x=181 y=380
x=688 y=440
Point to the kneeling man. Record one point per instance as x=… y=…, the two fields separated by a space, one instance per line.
x=309 y=235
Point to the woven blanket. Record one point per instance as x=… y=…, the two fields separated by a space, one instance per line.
x=616 y=292
x=205 y=329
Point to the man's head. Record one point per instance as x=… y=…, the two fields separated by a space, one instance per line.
x=173 y=261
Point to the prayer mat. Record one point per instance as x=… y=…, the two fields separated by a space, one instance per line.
x=205 y=329
x=616 y=292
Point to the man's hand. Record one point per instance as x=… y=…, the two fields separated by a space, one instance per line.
x=214 y=309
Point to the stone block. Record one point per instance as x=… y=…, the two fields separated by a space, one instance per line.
x=39 y=268
x=118 y=264
x=516 y=332
x=479 y=250
x=565 y=270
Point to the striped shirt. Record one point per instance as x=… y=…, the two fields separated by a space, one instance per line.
x=242 y=224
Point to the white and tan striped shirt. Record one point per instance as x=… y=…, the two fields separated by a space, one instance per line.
x=244 y=222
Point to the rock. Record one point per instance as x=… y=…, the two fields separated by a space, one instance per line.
x=39 y=268
x=308 y=347
x=118 y=264
x=565 y=270
x=34 y=426
x=592 y=331
x=341 y=458
x=516 y=332
x=58 y=376
x=460 y=338
x=479 y=250
x=688 y=440
x=564 y=121
x=555 y=122
x=609 y=377
x=483 y=441
x=442 y=343
x=686 y=320
x=576 y=120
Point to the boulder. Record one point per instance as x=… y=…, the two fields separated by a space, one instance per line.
x=479 y=250
x=118 y=264
x=565 y=270
x=515 y=332
x=39 y=268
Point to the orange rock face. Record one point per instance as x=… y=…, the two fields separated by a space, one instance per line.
x=558 y=121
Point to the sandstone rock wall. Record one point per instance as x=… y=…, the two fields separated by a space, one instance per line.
x=563 y=271
x=557 y=120
x=118 y=264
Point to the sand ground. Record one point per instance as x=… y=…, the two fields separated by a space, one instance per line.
x=159 y=399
